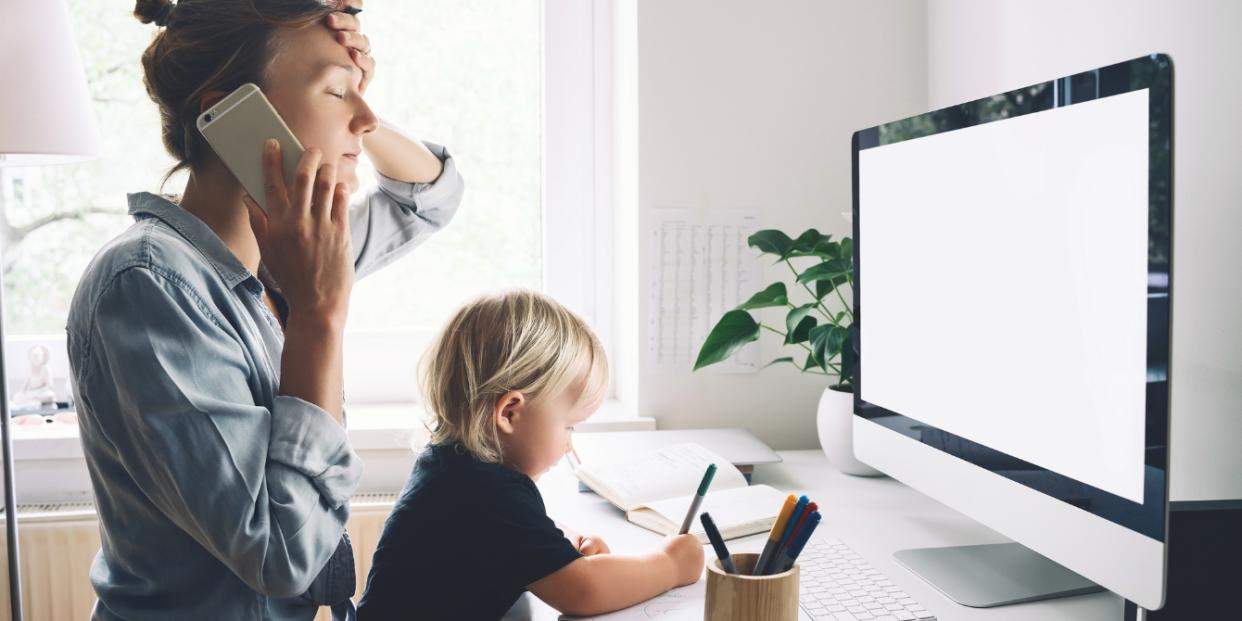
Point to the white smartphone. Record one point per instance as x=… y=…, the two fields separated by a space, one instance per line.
x=236 y=128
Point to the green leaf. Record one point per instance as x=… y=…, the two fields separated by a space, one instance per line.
x=797 y=313
x=734 y=330
x=771 y=241
x=813 y=363
x=817 y=337
x=828 y=270
x=796 y=328
x=832 y=347
x=847 y=250
x=788 y=359
x=826 y=250
x=849 y=360
x=826 y=341
x=801 y=332
x=807 y=243
x=774 y=295
x=824 y=287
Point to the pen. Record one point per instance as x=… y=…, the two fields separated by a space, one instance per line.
x=698 y=499
x=774 y=536
x=718 y=543
x=799 y=542
x=779 y=555
x=799 y=512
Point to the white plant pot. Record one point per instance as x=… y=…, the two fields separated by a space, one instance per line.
x=835 y=424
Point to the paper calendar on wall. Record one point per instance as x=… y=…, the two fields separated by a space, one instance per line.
x=701 y=267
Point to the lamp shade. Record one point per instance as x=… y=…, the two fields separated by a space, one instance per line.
x=45 y=111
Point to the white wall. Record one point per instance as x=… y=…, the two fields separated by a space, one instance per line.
x=981 y=48
x=752 y=104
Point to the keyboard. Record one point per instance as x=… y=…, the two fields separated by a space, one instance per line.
x=838 y=585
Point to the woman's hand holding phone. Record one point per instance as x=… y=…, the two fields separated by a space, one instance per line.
x=304 y=236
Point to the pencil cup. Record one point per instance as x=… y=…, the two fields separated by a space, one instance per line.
x=743 y=597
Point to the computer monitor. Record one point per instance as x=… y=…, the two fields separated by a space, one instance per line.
x=1012 y=292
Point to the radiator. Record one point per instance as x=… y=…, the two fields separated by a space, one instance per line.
x=367 y=513
x=59 y=542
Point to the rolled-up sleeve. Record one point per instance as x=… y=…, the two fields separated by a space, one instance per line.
x=395 y=216
x=307 y=439
x=263 y=489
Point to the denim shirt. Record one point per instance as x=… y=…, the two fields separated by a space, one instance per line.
x=218 y=498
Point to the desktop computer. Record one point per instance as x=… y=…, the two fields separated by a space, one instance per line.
x=1013 y=261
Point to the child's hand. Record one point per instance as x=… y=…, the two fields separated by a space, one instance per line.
x=588 y=545
x=687 y=555
x=591 y=545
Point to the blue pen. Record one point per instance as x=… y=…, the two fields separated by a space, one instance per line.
x=799 y=542
x=798 y=516
x=767 y=561
x=780 y=552
x=718 y=544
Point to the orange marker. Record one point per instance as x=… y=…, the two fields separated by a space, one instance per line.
x=793 y=534
x=774 y=536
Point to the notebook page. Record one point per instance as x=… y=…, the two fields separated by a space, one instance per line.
x=671 y=472
x=730 y=508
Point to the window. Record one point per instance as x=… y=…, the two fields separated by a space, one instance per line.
x=467 y=74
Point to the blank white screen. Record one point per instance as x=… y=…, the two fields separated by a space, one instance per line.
x=1003 y=278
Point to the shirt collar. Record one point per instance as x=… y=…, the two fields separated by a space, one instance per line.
x=195 y=231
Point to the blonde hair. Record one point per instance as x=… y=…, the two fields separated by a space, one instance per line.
x=516 y=340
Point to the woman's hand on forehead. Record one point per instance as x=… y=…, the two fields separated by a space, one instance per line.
x=347 y=30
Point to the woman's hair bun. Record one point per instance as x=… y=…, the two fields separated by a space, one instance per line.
x=153 y=11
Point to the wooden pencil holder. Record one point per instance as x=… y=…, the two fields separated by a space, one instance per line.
x=743 y=597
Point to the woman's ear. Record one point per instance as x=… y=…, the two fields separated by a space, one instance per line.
x=510 y=407
x=210 y=98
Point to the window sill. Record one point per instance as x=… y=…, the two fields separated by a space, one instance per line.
x=50 y=467
x=374 y=426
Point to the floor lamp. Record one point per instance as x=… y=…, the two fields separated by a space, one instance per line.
x=45 y=118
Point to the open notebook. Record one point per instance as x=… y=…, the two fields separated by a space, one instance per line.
x=655 y=490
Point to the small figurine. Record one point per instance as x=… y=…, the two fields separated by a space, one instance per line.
x=38 y=389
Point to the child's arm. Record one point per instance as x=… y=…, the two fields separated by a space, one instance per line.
x=598 y=584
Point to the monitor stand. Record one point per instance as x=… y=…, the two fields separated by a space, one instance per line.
x=995 y=574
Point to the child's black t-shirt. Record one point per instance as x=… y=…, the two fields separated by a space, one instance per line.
x=463 y=541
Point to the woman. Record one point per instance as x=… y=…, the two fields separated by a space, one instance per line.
x=206 y=340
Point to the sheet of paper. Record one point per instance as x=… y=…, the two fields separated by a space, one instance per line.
x=670 y=472
x=680 y=604
x=701 y=267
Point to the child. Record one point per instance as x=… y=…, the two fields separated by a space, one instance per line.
x=505 y=384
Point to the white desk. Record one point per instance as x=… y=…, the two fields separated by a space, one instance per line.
x=876 y=517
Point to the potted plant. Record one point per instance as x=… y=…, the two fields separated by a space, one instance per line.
x=825 y=335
